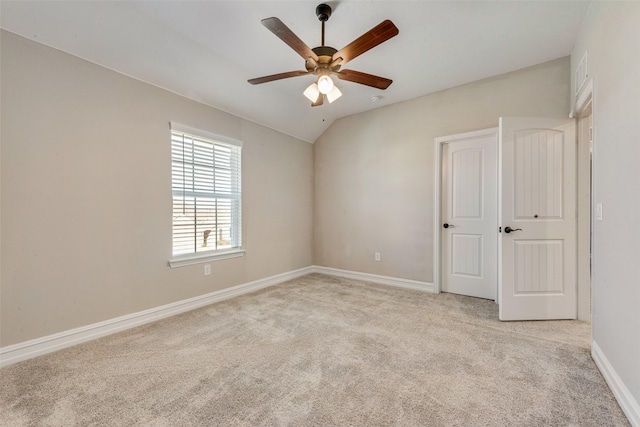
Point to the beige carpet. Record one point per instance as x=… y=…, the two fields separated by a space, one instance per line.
x=321 y=351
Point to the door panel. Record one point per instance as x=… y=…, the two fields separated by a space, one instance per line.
x=467 y=254
x=538 y=267
x=466 y=175
x=469 y=208
x=537 y=273
x=539 y=172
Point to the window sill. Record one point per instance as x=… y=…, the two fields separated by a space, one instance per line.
x=198 y=259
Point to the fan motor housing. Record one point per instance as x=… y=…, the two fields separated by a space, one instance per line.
x=325 y=58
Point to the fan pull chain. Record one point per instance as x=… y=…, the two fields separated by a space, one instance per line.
x=324 y=96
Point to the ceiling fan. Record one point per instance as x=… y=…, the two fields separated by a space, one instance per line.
x=323 y=61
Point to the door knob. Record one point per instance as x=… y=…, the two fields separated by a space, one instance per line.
x=448 y=225
x=508 y=229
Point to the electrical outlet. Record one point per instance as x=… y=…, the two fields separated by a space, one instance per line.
x=207 y=269
x=377 y=256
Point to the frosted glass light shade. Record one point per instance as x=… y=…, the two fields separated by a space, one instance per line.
x=334 y=94
x=312 y=92
x=325 y=84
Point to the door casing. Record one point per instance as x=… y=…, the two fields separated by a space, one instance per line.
x=584 y=107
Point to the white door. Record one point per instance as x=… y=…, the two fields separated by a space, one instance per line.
x=537 y=272
x=469 y=215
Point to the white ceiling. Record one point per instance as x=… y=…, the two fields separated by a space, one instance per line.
x=206 y=50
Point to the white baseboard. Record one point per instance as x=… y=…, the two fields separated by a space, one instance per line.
x=37 y=347
x=374 y=278
x=625 y=399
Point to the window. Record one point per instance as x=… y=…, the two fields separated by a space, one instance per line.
x=205 y=183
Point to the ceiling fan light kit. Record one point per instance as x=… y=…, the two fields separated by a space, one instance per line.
x=325 y=84
x=312 y=92
x=334 y=94
x=323 y=61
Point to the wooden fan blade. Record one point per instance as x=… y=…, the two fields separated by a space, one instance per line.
x=372 y=38
x=364 y=78
x=279 y=76
x=277 y=27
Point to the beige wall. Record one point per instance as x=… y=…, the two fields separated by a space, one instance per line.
x=86 y=198
x=611 y=36
x=374 y=172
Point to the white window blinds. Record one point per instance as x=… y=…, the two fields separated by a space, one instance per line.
x=206 y=189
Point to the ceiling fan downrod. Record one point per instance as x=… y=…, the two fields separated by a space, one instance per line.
x=323 y=12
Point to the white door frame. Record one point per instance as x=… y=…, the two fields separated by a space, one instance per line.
x=585 y=103
x=437 y=220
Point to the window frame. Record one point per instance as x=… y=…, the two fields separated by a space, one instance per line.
x=212 y=255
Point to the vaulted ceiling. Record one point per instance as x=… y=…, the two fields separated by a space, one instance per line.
x=206 y=50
